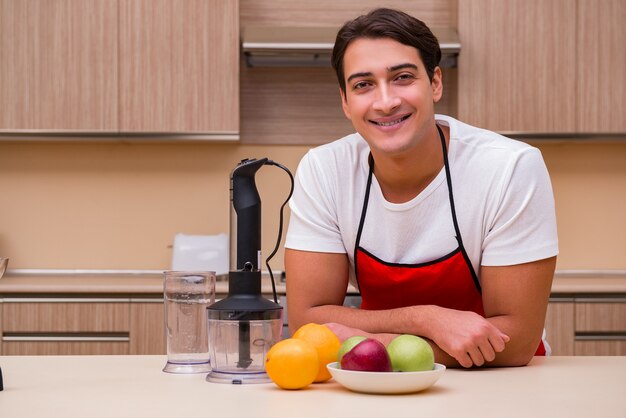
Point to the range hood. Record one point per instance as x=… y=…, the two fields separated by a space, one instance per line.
x=312 y=46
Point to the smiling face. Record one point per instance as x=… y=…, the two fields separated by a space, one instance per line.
x=389 y=98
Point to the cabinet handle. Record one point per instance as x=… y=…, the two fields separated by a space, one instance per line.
x=600 y=337
x=608 y=299
x=65 y=338
x=65 y=300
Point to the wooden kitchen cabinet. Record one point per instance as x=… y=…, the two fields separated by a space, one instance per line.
x=79 y=326
x=179 y=66
x=147 y=327
x=536 y=66
x=59 y=326
x=586 y=326
x=517 y=67
x=600 y=327
x=560 y=327
x=601 y=65
x=58 y=65
x=120 y=66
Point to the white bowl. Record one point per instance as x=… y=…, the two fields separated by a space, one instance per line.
x=386 y=382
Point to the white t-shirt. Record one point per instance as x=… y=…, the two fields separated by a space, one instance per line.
x=502 y=194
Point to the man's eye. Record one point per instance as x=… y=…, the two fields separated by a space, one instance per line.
x=405 y=76
x=360 y=85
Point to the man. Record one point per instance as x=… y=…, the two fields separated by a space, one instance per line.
x=447 y=230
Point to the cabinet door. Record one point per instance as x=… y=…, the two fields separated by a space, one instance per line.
x=53 y=326
x=147 y=328
x=601 y=62
x=65 y=317
x=64 y=348
x=560 y=327
x=58 y=65
x=517 y=65
x=179 y=66
x=600 y=327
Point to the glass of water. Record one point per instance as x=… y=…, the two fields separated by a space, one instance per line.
x=187 y=295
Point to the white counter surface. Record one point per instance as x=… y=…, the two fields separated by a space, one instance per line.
x=135 y=386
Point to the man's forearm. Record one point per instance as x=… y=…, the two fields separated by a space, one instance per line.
x=408 y=320
x=383 y=325
x=457 y=337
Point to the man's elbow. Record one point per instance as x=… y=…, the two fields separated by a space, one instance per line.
x=518 y=356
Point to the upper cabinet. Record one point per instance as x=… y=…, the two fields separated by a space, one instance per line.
x=58 y=65
x=534 y=66
x=179 y=66
x=120 y=66
x=517 y=67
x=601 y=65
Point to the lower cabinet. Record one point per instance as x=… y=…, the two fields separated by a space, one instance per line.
x=127 y=325
x=587 y=326
x=77 y=326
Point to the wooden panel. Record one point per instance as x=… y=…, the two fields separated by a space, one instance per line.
x=600 y=348
x=64 y=317
x=601 y=65
x=316 y=13
x=179 y=65
x=601 y=317
x=560 y=328
x=303 y=105
x=15 y=348
x=58 y=65
x=517 y=65
x=147 y=328
x=298 y=106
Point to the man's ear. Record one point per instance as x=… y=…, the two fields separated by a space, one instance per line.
x=437 y=84
x=344 y=104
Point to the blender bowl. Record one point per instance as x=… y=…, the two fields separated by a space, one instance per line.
x=238 y=349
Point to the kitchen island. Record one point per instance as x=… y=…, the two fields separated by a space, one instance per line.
x=135 y=386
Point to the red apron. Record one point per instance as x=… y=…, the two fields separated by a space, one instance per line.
x=449 y=281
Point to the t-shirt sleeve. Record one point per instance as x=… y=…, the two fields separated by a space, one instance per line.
x=523 y=228
x=313 y=222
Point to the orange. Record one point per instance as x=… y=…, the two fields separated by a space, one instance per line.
x=325 y=342
x=292 y=363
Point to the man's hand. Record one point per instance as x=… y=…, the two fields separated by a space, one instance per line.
x=466 y=336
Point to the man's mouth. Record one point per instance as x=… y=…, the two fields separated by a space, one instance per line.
x=391 y=122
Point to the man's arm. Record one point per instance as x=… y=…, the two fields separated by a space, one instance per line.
x=316 y=287
x=515 y=299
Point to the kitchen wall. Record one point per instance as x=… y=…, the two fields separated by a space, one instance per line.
x=118 y=205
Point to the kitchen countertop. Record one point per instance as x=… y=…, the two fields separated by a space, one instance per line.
x=135 y=386
x=152 y=285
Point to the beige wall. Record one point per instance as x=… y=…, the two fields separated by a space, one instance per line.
x=118 y=205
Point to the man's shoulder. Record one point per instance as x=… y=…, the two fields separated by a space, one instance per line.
x=480 y=137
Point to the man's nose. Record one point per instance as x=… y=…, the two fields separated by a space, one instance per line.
x=386 y=101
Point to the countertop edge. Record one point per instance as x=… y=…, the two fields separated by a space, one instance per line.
x=151 y=286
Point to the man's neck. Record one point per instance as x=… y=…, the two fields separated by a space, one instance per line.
x=402 y=178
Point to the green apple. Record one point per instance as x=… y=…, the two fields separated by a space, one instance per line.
x=348 y=345
x=410 y=353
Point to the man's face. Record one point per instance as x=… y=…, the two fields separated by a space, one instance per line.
x=389 y=97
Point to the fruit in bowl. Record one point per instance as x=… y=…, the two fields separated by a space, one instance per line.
x=348 y=345
x=362 y=365
x=368 y=355
x=410 y=353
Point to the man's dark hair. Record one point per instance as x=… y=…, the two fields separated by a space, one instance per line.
x=387 y=23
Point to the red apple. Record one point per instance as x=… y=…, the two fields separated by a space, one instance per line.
x=367 y=356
